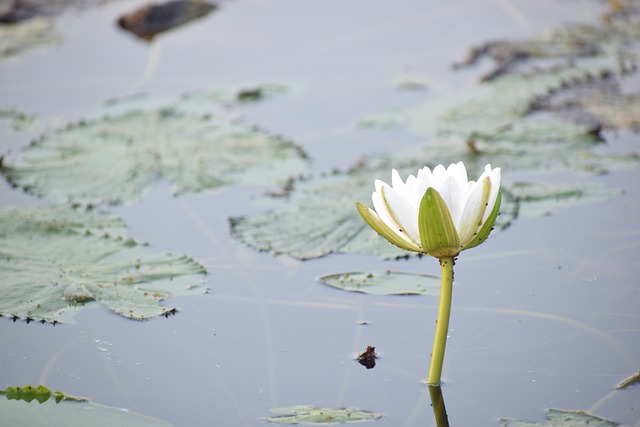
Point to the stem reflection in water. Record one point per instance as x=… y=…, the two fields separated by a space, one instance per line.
x=439 y=410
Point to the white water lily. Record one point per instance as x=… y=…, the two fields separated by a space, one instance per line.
x=440 y=213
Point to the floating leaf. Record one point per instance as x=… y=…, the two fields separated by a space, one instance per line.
x=22 y=36
x=628 y=382
x=39 y=393
x=383 y=120
x=329 y=204
x=543 y=199
x=384 y=283
x=55 y=260
x=64 y=410
x=14 y=119
x=116 y=159
x=570 y=43
x=562 y=418
x=315 y=415
x=232 y=95
x=494 y=107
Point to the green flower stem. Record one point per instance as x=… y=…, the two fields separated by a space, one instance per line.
x=442 y=324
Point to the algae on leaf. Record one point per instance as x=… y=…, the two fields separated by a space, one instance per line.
x=53 y=261
x=384 y=283
x=315 y=415
x=115 y=159
x=562 y=418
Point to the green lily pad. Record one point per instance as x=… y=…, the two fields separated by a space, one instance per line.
x=57 y=409
x=493 y=108
x=19 y=37
x=544 y=199
x=569 y=43
x=315 y=415
x=562 y=418
x=116 y=158
x=384 y=283
x=40 y=393
x=53 y=261
x=10 y=118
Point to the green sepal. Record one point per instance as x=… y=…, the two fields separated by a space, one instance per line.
x=484 y=232
x=438 y=233
x=374 y=221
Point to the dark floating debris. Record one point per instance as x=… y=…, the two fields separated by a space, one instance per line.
x=368 y=357
x=153 y=19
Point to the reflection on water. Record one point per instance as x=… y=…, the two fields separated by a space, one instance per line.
x=439 y=410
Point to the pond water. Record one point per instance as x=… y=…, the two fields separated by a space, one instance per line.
x=545 y=314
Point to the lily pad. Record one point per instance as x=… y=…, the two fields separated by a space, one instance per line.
x=115 y=159
x=314 y=415
x=495 y=107
x=384 y=283
x=57 y=409
x=19 y=37
x=40 y=393
x=562 y=418
x=53 y=261
x=569 y=43
x=544 y=199
x=10 y=118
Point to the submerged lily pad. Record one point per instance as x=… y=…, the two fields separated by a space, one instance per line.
x=384 y=283
x=53 y=261
x=315 y=415
x=562 y=418
x=115 y=159
x=57 y=409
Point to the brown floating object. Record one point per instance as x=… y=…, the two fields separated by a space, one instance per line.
x=152 y=19
x=368 y=357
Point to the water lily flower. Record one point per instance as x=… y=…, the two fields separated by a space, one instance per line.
x=439 y=212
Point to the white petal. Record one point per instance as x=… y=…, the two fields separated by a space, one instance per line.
x=396 y=212
x=495 y=177
x=473 y=215
x=454 y=197
x=380 y=206
x=404 y=214
x=423 y=181
x=439 y=175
